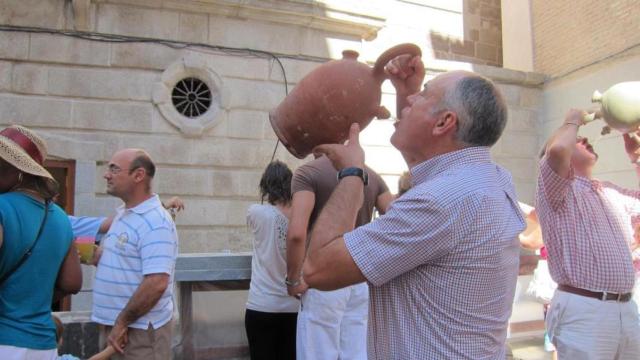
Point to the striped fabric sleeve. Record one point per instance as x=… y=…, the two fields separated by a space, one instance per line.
x=85 y=225
x=554 y=188
x=158 y=251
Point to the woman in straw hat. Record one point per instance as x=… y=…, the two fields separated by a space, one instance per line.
x=37 y=257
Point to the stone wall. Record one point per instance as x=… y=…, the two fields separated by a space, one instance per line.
x=79 y=105
x=90 y=98
x=570 y=34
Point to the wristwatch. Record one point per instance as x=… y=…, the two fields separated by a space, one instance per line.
x=354 y=171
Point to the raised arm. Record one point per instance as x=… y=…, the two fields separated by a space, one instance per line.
x=329 y=264
x=406 y=74
x=562 y=143
x=301 y=208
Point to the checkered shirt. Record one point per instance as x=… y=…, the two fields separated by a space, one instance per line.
x=442 y=263
x=586 y=227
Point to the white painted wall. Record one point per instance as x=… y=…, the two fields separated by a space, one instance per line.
x=517 y=35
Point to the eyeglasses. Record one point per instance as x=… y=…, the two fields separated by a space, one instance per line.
x=115 y=169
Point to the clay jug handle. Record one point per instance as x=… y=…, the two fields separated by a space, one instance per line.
x=383 y=60
x=594 y=114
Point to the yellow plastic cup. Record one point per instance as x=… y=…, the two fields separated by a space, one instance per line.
x=86 y=246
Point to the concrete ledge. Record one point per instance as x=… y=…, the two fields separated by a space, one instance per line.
x=497 y=74
x=213 y=267
x=334 y=16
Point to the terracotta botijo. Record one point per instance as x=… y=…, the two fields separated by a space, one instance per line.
x=325 y=103
x=620 y=106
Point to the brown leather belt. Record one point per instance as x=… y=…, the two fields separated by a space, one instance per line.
x=604 y=296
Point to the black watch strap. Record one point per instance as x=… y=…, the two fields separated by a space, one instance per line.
x=354 y=171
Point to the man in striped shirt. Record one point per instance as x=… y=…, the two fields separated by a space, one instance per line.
x=442 y=263
x=587 y=230
x=132 y=296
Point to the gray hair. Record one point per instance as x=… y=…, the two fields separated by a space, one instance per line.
x=482 y=113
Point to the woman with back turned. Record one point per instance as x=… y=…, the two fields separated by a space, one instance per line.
x=38 y=261
x=271 y=315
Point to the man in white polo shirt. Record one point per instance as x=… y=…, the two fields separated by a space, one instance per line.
x=131 y=293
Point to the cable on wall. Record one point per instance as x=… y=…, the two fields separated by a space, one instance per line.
x=174 y=44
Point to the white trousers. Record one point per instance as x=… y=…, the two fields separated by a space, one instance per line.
x=8 y=352
x=332 y=325
x=588 y=329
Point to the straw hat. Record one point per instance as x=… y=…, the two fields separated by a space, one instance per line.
x=25 y=150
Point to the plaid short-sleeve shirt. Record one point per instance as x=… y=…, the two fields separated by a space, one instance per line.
x=442 y=263
x=586 y=228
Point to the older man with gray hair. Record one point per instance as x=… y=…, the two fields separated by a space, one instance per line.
x=442 y=263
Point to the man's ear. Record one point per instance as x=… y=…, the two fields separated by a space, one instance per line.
x=447 y=122
x=139 y=174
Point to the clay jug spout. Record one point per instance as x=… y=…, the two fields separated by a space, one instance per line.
x=350 y=54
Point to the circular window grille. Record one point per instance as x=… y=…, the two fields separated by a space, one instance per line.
x=191 y=97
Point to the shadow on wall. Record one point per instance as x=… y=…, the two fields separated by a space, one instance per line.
x=482 y=40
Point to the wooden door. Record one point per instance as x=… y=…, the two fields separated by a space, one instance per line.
x=64 y=171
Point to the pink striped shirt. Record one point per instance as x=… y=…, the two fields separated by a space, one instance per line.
x=586 y=227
